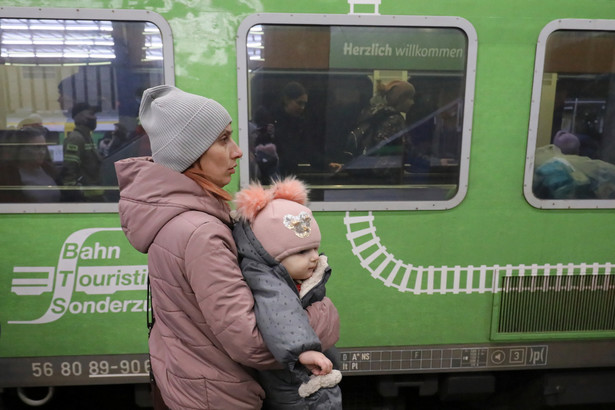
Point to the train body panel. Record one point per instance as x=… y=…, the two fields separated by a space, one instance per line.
x=418 y=290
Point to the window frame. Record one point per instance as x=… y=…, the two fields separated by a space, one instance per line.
x=551 y=27
x=125 y=15
x=363 y=20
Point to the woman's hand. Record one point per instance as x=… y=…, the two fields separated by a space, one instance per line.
x=316 y=362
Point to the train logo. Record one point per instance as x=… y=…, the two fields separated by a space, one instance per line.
x=69 y=277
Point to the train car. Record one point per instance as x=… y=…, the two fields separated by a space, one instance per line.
x=471 y=236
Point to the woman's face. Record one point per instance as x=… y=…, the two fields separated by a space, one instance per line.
x=219 y=161
x=296 y=106
x=406 y=103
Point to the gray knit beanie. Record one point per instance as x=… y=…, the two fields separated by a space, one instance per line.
x=181 y=126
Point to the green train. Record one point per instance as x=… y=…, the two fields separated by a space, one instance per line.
x=470 y=239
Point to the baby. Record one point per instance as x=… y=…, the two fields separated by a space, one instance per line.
x=277 y=239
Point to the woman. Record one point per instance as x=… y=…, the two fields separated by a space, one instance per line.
x=296 y=145
x=173 y=207
x=384 y=119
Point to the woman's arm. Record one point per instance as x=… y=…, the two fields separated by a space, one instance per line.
x=325 y=321
x=224 y=298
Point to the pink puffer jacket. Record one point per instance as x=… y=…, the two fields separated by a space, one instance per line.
x=205 y=337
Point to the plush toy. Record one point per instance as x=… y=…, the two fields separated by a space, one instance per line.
x=319 y=382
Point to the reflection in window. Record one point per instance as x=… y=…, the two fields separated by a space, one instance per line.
x=72 y=88
x=365 y=114
x=574 y=149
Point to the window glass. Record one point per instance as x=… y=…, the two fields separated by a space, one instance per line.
x=72 y=87
x=571 y=149
x=372 y=113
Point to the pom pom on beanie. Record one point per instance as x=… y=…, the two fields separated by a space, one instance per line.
x=279 y=217
x=181 y=126
x=251 y=200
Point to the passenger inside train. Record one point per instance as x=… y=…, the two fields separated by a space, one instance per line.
x=27 y=168
x=574 y=153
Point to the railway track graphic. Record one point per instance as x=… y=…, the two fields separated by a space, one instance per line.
x=434 y=280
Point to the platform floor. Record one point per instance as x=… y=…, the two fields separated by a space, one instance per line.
x=359 y=392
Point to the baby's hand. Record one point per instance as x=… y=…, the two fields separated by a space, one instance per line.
x=316 y=362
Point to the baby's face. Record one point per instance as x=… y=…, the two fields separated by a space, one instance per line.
x=301 y=266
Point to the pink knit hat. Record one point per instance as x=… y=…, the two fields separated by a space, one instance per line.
x=279 y=218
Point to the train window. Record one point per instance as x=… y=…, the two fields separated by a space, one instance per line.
x=571 y=140
x=70 y=83
x=373 y=112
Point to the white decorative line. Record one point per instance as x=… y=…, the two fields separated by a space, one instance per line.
x=430 y=280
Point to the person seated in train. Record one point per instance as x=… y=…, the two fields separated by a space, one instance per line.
x=277 y=239
x=568 y=143
x=560 y=173
x=28 y=164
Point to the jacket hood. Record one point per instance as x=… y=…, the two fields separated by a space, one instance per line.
x=249 y=247
x=152 y=194
x=252 y=255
